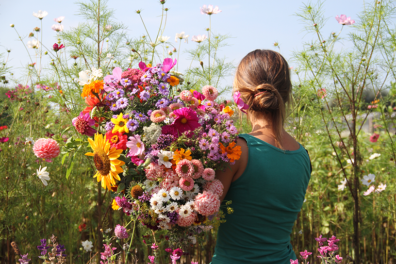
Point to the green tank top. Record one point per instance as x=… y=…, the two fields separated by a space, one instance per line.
x=266 y=200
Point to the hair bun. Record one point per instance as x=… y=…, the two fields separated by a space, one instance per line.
x=266 y=98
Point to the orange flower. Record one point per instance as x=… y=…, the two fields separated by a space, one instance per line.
x=173 y=80
x=228 y=110
x=233 y=152
x=93 y=87
x=181 y=155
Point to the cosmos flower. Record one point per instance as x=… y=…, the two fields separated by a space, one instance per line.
x=210 y=10
x=40 y=14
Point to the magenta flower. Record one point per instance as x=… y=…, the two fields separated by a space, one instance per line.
x=109 y=251
x=151 y=258
x=239 y=102
x=186 y=119
x=338 y=259
x=344 y=20
x=321 y=240
x=294 y=261
x=135 y=160
x=177 y=252
x=83 y=124
x=374 y=137
x=57 y=47
x=174 y=258
x=322 y=93
x=4 y=139
x=120 y=232
x=198 y=95
x=143 y=66
x=135 y=145
x=305 y=254
x=168 y=64
x=169 y=250
x=154 y=246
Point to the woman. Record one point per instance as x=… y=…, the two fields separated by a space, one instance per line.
x=267 y=184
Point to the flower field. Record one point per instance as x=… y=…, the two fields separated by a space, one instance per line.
x=109 y=154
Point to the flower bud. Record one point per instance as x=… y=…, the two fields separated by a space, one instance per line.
x=137 y=11
x=45 y=53
x=143 y=36
x=31 y=35
x=128 y=43
x=78 y=42
x=207 y=29
x=166 y=9
x=315 y=25
x=276 y=44
x=174 y=50
x=162 y=1
x=201 y=62
x=37 y=29
x=8 y=51
x=12 y=25
x=170 y=53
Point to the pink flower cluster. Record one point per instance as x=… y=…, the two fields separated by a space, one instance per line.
x=207 y=203
x=46 y=148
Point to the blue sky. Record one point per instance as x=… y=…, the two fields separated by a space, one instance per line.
x=252 y=24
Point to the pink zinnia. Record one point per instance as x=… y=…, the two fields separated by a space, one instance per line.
x=187 y=184
x=193 y=102
x=166 y=109
x=374 y=137
x=157 y=116
x=175 y=106
x=208 y=174
x=210 y=92
x=187 y=119
x=135 y=145
x=187 y=221
x=153 y=171
x=207 y=203
x=185 y=168
x=198 y=168
x=83 y=124
x=120 y=232
x=216 y=187
x=185 y=95
x=46 y=148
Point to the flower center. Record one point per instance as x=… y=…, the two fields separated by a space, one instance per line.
x=176 y=193
x=138 y=145
x=210 y=91
x=81 y=125
x=121 y=123
x=195 y=168
x=155 y=202
x=184 y=120
x=114 y=139
x=209 y=104
x=184 y=168
x=192 y=102
x=102 y=162
x=126 y=81
x=369 y=181
x=187 y=183
x=166 y=158
x=118 y=91
x=185 y=212
x=157 y=115
x=114 y=105
x=164 y=195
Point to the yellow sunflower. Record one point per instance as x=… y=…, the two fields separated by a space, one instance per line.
x=106 y=161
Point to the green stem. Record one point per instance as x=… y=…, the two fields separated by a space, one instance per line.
x=210 y=28
x=178 y=53
x=159 y=30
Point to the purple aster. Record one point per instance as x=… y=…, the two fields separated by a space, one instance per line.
x=146 y=77
x=109 y=126
x=225 y=137
x=215 y=140
x=118 y=93
x=122 y=103
x=110 y=97
x=213 y=148
x=43 y=247
x=203 y=144
x=114 y=107
x=162 y=103
x=154 y=81
x=145 y=197
x=132 y=125
x=165 y=77
x=229 y=123
x=135 y=90
x=126 y=82
x=233 y=130
x=173 y=217
x=144 y=95
x=141 y=117
x=213 y=133
x=60 y=249
x=149 y=112
x=125 y=116
x=214 y=156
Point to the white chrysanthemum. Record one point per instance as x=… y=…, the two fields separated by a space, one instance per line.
x=150 y=184
x=176 y=193
x=172 y=207
x=190 y=204
x=185 y=211
x=160 y=211
x=164 y=195
x=195 y=189
x=163 y=225
x=87 y=245
x=156 y=202
x=368 y=179
x=164 y=158
x=43 y=174
x=164 y=218
x=374 y=156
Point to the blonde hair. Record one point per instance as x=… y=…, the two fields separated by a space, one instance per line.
x=263 y=80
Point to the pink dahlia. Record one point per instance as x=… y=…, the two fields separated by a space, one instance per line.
x=187 y=119
x=207 y=203
x=157 y=116
x=120 y=232
x=132 y=74
x=185 y=95
x=187 y=184
x=210 y=92
x=187 y=221
x=83 y=124
x=185 y=168
x=153 y=171
x=374 y=137
x=46 y=148
x=208 y=174
x=215 y=187
x=198 y=168
x=175 y=106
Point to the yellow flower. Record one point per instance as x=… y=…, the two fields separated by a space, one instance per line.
x=114 y=205
x=90 y=89
x=173 y=80
x=181 y=155
x=120 y=124
x=106 y=161
x=228 y=110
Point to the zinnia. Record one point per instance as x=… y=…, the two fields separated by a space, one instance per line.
x=208 y=174
x=216 y=187
x=198 y=168
x=210 y=92
x=185 y=169
x=207 y=203
x=187 y=184
x=83 y=124
x=374 y=137
x=117 y=140
x=157 y=116
x=46 y=148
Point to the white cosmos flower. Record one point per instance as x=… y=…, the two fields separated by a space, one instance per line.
x=176 y=193
x=163 y=39
x=181 y=36
x=165 y=157
x=57 y=27
x=29 y=140
x=368 y=179
x=33 y=44
x=59 y=19
x=172 y=207
x=374 y=156
x=109 y=56
x=40 y=14
x=210 y=10
x=108 y=230
x=87 y=245
x=185 y=211
x=164 y=195
x=199 y=38
x=84 y=77
x=380 y=188
x=43 y=175
x=342 y=186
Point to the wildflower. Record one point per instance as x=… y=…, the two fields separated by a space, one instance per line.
x=184 y=169
x=92 y=88
x=187 y=184
x=83 y=124
x=176 y=193
x=157 y=116
x=151 y=258
x=43 y=247
x=210 y=92
x=186 y=95
x=181 y=155
x=181 y=36
x=198 y=168
x=40 y=14
x=87 y=245
x=168 y=64
x=122 y=103
x=343 y=185
x=57 y=27
x=46 y=148
x=164 y=158
x=374 y=137
x=82 y=227
x=163 y=39
x=233 y=152
x=174 y=258
x=132 y=125
x=33 y=44
x=380 y=188
x=215 y=187
x=368 y=179
x=59 y=19
x=108 y=27
x=320 y=240
x=322 y=93
x=338 y=259
x=206 y=203
x=199 y=38
x=120 y=232
x=109 y=251
x=4 y=139
x=185 y=211
x=294 y=261
x=24 y=259
x=210 y=10
x=43 y=175
x=108 y=230
x=106 y=161
x=57 y=47
x=228 y=110
x=12 y=25
x=186 y=119
x=144 y=95
x=239 y=102
x=374 y=156
x=370 y=190
x=208 y=174
x=120 y=124
x=173 y=80
x=117 y=140
x=135 y=145
x=114 y=205
x=344 y=20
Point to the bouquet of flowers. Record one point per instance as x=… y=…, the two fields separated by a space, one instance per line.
x=157 y=147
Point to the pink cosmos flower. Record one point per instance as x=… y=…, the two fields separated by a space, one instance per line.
x=46 y=148
x=294 y=261
x=59 y=19
x=344 y=20
x=209 y=10
x=239 y=102
x=208 y=174
x=305 y=254
x=370 y=190
x=198 y=95
x=168 y=64
x=83 y=124
x=215 y=187
x=57 y=27
x=57 y=47
x=120 y=232
x=157 y=116
x=110 y=79
x=210 y=92
x=207 y=203
x=186 y=119
x=374 y=137
x=198 y=168
x=184 y=168
x=135 y=145
x=187 y=184
x=4 y=139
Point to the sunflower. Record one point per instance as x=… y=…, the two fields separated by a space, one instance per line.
x=91 y=88
x=181 y=154
x=233 y=152
x=106 y=161
x=173 y=81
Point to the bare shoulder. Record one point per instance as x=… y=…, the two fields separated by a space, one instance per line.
x=289 y=142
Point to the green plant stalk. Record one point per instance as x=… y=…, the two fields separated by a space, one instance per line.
x=159 y=30
x=210 y=29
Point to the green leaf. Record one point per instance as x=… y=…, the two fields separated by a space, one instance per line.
x=121 y=187
x=64 y=157
x=69 y=170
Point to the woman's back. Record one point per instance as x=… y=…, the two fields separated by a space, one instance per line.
x=266 y=200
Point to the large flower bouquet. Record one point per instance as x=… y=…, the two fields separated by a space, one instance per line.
x=157 y=148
